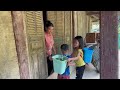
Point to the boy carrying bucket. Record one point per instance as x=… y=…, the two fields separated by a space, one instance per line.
x=65 y=52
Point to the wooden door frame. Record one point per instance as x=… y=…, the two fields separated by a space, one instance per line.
x=109 y=45
x=44 y=17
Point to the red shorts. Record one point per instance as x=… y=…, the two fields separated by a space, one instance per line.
x=63 y=76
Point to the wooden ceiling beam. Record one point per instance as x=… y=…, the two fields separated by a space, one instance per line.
x=92 y=12
x=95 y=17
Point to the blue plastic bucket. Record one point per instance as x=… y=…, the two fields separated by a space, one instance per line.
x=59 y=66
x=87 y=55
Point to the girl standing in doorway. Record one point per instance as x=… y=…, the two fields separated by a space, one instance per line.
x=78 y=56
x=49 y=42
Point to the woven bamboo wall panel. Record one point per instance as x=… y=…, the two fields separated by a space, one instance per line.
x=36 y=44
x=59 y=35
x=87 y=22
x=60 y=24
x=81 y=23
x=62 y=27
x=51 y=15
x=75 y=19
x=68 y=28
x=57 y=18
x=9 y=68
x=67 y=25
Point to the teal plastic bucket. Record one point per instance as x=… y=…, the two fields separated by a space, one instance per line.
x=59 y=63
x=87 y=55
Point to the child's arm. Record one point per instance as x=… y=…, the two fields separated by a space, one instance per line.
x=71 y=64
x=74 y=58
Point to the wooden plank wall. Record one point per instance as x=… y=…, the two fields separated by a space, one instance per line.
x=8 y=57
x=62 y=33
x=82 y=23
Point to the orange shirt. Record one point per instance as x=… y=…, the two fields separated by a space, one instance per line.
x=49 y=42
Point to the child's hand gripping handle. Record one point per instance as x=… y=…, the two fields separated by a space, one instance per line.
x=70 y=63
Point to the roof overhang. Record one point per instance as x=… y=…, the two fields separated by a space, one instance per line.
x=94 y=15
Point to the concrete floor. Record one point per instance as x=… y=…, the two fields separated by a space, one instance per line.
x=89 y=73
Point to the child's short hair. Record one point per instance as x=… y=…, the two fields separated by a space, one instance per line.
x=64 y=47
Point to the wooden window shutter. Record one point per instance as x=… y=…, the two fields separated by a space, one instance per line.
x=36 y=44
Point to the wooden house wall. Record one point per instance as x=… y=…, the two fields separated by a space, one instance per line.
x=82 y=23
x=8 y=57
x=62 y=33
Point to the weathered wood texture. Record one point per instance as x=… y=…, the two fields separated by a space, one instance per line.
x=18 y=28
x=68 y=28
x=82 y=23
x=35 y=44
x=89 y=24
x=109 y=44
x=8 y=58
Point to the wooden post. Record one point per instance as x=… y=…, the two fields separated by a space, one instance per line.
x=18 y=29
x=75 y=29
x=109 y=44
x=73 y=24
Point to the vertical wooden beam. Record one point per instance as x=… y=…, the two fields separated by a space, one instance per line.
x=44 y=17
x=73 y=26
x=74 y=23
x=109 y=44
x=18 y=29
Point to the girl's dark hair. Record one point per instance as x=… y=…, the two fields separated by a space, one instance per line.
x=48 y=24
x=80 y=40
